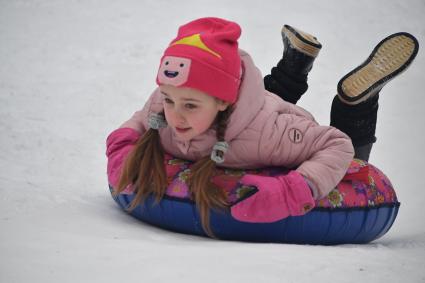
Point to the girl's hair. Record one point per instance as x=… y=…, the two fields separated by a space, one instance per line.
x=144 y=170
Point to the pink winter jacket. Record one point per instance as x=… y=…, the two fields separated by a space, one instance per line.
x=263 y=131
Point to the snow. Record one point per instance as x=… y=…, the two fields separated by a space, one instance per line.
x=72 y=71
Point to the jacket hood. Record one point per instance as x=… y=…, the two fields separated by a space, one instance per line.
x=250 y=100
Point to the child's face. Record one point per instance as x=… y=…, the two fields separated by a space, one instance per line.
x=189 y=112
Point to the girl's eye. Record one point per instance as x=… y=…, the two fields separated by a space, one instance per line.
x=168 y=101
x=191 y=106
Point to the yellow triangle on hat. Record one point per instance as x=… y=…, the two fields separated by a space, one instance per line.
x=196 y=41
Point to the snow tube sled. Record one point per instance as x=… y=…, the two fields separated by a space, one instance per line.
x=360 y=209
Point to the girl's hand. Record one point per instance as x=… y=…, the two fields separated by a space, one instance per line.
x=277 y=198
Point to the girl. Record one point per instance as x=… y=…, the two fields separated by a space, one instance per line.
x=212 y=107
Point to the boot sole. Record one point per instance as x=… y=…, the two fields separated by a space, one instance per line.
x=388 y=59
x=302 y=41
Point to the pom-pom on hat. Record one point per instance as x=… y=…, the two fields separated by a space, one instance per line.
x=204 y=56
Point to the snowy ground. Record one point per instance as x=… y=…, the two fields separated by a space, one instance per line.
x=72 y=71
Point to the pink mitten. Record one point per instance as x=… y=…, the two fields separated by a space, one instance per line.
x=118 y=145
x=277 y=198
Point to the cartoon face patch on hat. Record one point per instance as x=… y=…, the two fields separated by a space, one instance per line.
x=174 y=70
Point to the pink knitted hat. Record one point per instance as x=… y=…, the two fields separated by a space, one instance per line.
x=204 y=56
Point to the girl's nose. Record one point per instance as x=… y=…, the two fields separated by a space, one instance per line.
x=179 y=115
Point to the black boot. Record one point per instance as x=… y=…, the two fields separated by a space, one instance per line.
x=288 y=87
x=300 y=50
x=388 y=59
x=358 y=122
x=289 y=78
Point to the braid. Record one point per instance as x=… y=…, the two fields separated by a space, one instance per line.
x=206 y=194
x=144 y=169
x=221 y=122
